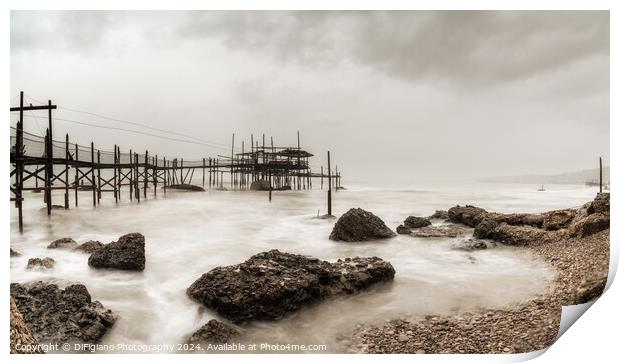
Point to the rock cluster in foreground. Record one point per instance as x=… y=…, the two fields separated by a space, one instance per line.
x=270 y=285
x=57 y=315
x=125 y=254
x=40 y=264
x=360 y=225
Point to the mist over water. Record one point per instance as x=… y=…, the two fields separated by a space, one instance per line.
x=188 y=234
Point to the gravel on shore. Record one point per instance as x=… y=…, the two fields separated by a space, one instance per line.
x=581 y=266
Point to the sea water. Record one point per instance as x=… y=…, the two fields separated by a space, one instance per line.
x=190 y=233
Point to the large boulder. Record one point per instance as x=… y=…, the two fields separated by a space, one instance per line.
x=260 y=185
x=40 y=264
x=90 y=246
x=22 y=341
x=61 y=315
x=466 y=215
x=600 y=204
x=558 y=219
x=473 y=244
x=213 y=332
x=414 y=222
x=126 y=254
x=360 y=225
x=270 y=285
x=589 y=225
x=63 y=243
x=486 y=228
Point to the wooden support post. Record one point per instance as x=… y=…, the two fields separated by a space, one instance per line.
x=210 y=173
x=67 y=156
x=165 y=175
x=137 y=179
x=77 y=177
x=98 y=177
x=329 y=183
x=146 y=174
x=48 y=172
x=130 y=175
x=155 y=174
x=203 y=172
x=336 y=178
x=115 y=175
x=182 y=176
x=92 y=173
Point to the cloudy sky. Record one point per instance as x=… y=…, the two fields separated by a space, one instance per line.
x=401 y=96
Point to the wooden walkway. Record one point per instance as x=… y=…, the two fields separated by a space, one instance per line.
x=50 y=164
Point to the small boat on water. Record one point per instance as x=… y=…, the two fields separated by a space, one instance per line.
x=542 y=188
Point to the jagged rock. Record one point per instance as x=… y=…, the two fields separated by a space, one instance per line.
x=473 y=244
x=186 y=187
x=126 y=254
x=15 y=253
x=58 y=316
x=40 y=264
x=415 y=222
x=439 y=231
x=360 y=225
x=466 y=215
x=22 y=341
x=260 y=185
x=600 y=204
x=485 y=228
x=213 y=332
x=270 y=285
x=439 y=214
x=589 y=225
x=63 y=243
x=558 y=219
x=402 y=229
x=90 y=246
x=519 y=235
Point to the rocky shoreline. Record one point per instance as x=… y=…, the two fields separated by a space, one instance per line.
x=579 y=256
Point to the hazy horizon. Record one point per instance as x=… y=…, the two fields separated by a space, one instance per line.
x=405 y=95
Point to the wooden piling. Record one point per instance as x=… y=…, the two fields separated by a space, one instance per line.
x=77 y=177
x=329 y=183
x=146 y=175
x=92 y=172
x=115 y=174
x=600 y=174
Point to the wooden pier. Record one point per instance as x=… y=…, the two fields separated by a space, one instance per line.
x=48 y=164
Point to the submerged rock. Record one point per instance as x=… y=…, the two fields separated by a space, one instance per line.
x=360 y=225
x=59 y=316
x=260 y=185
x=126 y=254
x=15 y=253
x=270 y=285
x=22 y=341
x=213 y=332
x=40 y=264
x=466 y=215
x=63 y=243
x=415 y=222
x=90 y=246
x=402 y=229
x=590 y=289
x=186 y=187
x=440 y=231
x=474 y=244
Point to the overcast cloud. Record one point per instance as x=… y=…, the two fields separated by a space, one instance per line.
x=412 y=95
